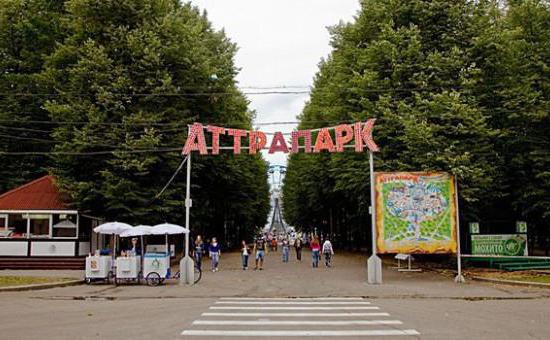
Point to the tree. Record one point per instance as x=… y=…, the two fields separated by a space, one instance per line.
x=512 y=53
x=130 y=76
x=408 y=64
x=28 y=33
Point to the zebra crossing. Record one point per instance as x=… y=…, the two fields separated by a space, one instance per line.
x=296 y=317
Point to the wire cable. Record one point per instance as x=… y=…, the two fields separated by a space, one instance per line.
x=172 y=178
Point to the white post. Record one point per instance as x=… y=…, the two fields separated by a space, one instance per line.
x=187 y=266
x=374 y=264
x=459 y=277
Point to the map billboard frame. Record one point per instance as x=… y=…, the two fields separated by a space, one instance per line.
x=411 y=222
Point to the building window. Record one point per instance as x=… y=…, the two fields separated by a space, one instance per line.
x=3 y=222
x=18 y=224
x=40 y=225
x=64 y=225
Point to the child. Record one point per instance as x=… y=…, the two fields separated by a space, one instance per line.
x=245 y=252
x=215 y=253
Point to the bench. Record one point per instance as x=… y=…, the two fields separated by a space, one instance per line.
x=409 y=259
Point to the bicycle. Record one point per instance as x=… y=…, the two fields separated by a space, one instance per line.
x=198 y=274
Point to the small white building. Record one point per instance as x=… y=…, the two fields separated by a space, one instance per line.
x=37 y=221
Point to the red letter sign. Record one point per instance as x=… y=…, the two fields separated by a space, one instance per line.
x=216 y=132
x=344 y=134
x=237 y=135
x=365 y=136
x=306 y=134
x=258 y=140
x=195 y=133
x=324 y=141
x=278 y=143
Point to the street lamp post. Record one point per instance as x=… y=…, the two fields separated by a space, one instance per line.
x=187 y=266
x=374 y=264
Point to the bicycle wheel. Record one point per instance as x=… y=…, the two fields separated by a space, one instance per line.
x=198 y=274
x=153 y=279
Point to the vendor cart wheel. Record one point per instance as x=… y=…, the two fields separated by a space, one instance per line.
x=153 y=279
x=110 y=277
x=87 y=280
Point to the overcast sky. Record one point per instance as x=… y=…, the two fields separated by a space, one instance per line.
x=280 y=44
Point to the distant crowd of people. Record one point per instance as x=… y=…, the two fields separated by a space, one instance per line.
x=260 y=246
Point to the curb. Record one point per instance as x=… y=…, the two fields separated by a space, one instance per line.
x=40 y=286
x=512 y=282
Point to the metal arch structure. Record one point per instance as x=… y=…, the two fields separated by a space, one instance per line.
x=277 y=223
x=280 y=170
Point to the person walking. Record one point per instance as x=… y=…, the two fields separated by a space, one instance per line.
x=298 y=247
x=274 y=244
x=245 y=252
x=315 y=249
x=286 y=250
x=328 y=252
x=198 y=251
x=259 y=250
x=215 y=252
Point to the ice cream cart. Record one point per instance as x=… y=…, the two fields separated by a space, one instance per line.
x=128 y=268
x=101 y=267
x=156 y=268
x=156 y=265
x=98 y=268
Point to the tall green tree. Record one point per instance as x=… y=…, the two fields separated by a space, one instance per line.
x=29 y=31
x=408 y=64
x=130 y=76
x=512 y=53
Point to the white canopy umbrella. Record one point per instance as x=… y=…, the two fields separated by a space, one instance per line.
x=168 y=229
x=139 y=230
x=112 y=228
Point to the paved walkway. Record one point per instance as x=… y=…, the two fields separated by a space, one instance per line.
x=427 y=303
x=347 y=277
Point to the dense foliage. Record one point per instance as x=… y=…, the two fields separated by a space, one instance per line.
x=25 y=40
x=456 y=86
x=124 y=81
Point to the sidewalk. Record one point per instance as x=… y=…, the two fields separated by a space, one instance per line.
x=66 y=274
x=348 y=277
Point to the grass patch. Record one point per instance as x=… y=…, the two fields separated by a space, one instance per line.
x=514 y=276
x=531 y=278
x=9 y=281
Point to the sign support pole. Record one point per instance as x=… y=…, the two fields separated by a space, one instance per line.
x=374 y=264
x=459 y=277
x=187 y=265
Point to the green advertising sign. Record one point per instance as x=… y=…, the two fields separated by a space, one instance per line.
x=507 y=245
x=521 y=227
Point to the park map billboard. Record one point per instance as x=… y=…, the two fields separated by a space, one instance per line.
x=416 y=213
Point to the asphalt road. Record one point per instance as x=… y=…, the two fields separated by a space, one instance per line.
x=283 y=300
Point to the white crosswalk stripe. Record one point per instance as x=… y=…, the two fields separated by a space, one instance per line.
x=295 y=317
